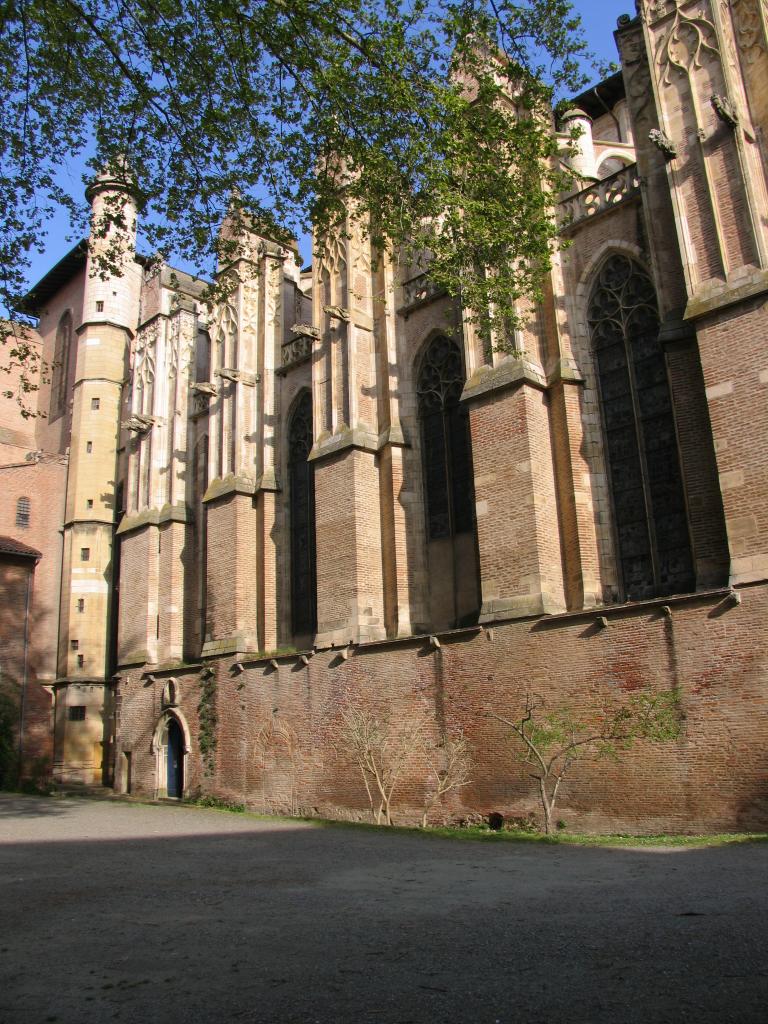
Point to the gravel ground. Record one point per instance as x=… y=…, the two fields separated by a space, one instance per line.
x=116 y=911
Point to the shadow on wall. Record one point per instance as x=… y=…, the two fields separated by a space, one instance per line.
x=22 y=697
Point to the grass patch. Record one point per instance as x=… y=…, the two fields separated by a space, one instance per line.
x=483 y=834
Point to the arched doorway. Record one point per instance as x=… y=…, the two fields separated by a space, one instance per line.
x=175 y=760
x=170 y=744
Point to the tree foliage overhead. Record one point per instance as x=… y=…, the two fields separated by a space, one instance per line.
x=266 y=100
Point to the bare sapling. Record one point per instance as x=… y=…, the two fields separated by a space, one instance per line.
x=380 y=750
x=449 y=763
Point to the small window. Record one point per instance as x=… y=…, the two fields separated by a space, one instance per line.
x=99 y=305
x=80 y=661
x=85 y=554
x=95 y=403
x=77 y=713
x=89 y=447
x=81 y=604
x=89 y=503
x=23 y=509
x=74 y=644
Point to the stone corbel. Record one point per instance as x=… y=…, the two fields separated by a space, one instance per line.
x=663 y=142
x=204 y=387
x=337 y=313
x=306 y=331
x=725 y=110
x=239 y=376
x=139 y=424
x=267 y=248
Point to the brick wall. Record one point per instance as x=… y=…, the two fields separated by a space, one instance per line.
x=19 y=663
x=278 y=731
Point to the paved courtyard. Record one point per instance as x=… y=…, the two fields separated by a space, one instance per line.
x=114 y=911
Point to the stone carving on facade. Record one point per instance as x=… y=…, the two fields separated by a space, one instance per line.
x=640 y=93
x=139 y=424
x=236 y=376
x=663 y=142
x=687 y=44
x=748 y=23
x=725 y=110
x=297 y=350
x=274 y=304
x=145 y=355
x=224 y=328
x=250 y=311
x=337 y=313
x=335 y=255
x=171 y=693
x=655 y=10
x=205 y=388
x=173 y=349
x=602 y=196
x=361 y=259
x=420 y=289
x=187 y=338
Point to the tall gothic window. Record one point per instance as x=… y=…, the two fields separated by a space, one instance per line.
x=650 y=517
x=60 y=374
x=302 y=511
x=445 y=442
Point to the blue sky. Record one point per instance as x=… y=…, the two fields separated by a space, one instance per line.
x=599 y=18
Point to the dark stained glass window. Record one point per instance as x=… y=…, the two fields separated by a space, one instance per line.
x=646 y=482
x=302 y=511
x=60 y=369
x=445 y=442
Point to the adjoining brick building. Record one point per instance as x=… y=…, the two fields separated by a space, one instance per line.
x=329 y=491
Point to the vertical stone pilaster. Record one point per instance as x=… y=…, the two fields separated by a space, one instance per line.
x=273 y=280
x=518 y=528
x=159 y=493
x=348 y=419
x=705 y=61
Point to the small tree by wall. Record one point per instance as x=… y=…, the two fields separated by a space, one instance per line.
x=552 y=743
x=380 y=749
x=449 y=766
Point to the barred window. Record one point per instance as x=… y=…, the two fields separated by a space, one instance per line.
x=23 y=512
x=301 y=481
x=446 y=452
x=650 y=515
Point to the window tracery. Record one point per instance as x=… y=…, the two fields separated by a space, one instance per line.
x=60 y=371
x=446 y=447
x=302 y=513
x=650 y=512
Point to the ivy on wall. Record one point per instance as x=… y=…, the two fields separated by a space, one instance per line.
x=208 y=720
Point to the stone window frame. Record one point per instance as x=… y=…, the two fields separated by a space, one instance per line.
x=301 y=397
x=65 y=330
x=433 y=531
x=605 y=514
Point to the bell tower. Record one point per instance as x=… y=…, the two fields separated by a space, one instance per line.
x=110 y=315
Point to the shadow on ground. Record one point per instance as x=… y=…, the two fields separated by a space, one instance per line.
x=130 y=913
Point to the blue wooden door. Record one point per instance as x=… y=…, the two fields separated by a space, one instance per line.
x=175 y=781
